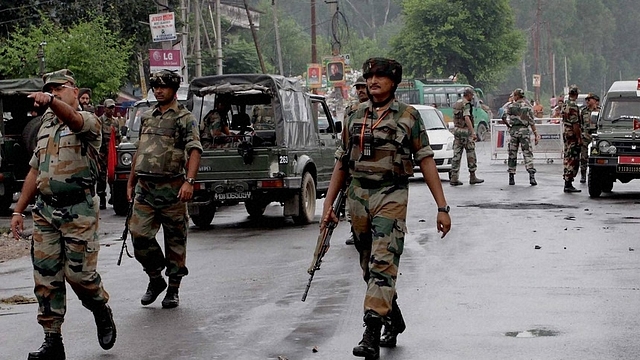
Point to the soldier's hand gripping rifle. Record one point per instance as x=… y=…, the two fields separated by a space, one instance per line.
x=125 y=233
x=324 y=239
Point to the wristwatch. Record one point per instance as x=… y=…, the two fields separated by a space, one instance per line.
x=444 y=209
x=191 y=181
x=51 y=97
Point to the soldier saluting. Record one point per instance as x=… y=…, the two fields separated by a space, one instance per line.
x=379 y=141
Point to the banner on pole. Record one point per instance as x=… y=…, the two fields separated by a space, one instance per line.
x=163 y=27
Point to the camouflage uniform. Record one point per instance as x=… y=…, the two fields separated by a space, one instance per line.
x=378 y=193
x=521 y=118
x=65 y=243
x=462 y=138
x=212 y=124
x=108 y=123
x=587 y=129
x=570 y=116
x=164 y=140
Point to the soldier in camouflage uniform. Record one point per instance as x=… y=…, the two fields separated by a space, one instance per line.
x=109 y=123
x=168 y=134
x=215 y=124
x=65 y=242
x=588 y=128
x=520 y=117
x=572 y=136
x=464 y=139
x=361 y=91
x=379 y=141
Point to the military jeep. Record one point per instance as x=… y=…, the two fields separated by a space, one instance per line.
x=615 y=148
x=280 y=148
x=18 y=135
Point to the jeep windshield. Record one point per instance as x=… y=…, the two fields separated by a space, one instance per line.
x=621 y=110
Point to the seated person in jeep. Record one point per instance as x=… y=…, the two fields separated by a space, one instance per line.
x=215 y=126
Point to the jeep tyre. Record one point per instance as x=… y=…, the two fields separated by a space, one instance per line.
x=255 y=208
x=483 y=132
x=307 y=205
x=30 y=134
x=205 y=215
x=593 y=180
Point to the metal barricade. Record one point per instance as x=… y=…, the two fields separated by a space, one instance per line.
x=550 y=146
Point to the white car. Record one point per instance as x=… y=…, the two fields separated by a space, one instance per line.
x=440 y=138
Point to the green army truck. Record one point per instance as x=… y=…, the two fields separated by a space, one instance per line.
x=280 y=148
x=18 y=135
x=614 y=152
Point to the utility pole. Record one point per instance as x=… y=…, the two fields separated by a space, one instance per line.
x=218 y=39
x=536 y=51
x=163 y=6
x=197 y=49
x=314 y=51
x=278 y=48
x=255 y=37
x=185 y=40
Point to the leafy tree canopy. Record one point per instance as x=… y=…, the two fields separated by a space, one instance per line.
x=443 y=37
x=97 y=56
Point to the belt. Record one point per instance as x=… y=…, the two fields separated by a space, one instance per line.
x=375 y=184
x=66 y=199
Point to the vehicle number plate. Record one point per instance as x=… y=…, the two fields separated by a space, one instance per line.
x=243 y=195
x=193 y=209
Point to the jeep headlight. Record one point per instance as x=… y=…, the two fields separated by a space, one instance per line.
x=450 y=144
x=605 y=147
x=126 y=159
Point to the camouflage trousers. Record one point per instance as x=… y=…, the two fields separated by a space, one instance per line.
x=156 y=203
x=571 y=155
x=462 y=141
x=584 y=152
x=520 y=138
x=65 y=247
x=378 y=219
x=101 y=186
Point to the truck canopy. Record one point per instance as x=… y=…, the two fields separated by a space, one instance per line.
x=291 y=107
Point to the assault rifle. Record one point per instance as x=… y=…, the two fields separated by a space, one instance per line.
x=125 y=233
x=322 y=245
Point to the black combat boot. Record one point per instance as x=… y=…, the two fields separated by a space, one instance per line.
x=394 y=325
x=155 y=288
x=103 y=201
x=532 y=178
x=583 y=176
x=512 y=179
x=568 y=187
x=369 y=347
x=171 y=299
x=51 y=349
x=106 y=327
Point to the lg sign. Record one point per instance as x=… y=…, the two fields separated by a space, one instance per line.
x=166 y=58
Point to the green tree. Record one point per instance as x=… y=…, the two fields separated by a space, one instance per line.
x=97 y=56
x=473 y=38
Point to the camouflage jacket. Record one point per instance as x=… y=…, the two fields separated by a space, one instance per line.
x=213 y=125
x=585 y=116
x=570 y=113
x=66 y=161
x=396 y=136
x=164 y=141
x=107 y=125
x=461 y=108
x=520 y=114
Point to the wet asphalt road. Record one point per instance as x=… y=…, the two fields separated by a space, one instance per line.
x=483 y=292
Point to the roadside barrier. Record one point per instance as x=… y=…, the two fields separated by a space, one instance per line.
x=549 y=148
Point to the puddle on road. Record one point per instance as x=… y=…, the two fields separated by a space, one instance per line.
x=520 y=206
x=532 y=333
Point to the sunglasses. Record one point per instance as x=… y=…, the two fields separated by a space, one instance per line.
x=60 y=87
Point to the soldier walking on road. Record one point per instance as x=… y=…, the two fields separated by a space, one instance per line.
x=572 y=136
x=168 y=134
x=520 y=117
x=464 y=139
x=588 y=128
x=378 y=143
x=361 y=91
x=109 y=123
x=65 y=215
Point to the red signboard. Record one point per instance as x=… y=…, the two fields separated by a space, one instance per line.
x=164 y=58
x=629 y=159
